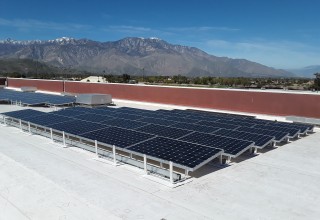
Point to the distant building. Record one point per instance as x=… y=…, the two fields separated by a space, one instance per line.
x=95 y=79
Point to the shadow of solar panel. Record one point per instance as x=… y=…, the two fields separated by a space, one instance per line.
x=77 y=127
x=278 y=135
x=23 y=114
x=157 y=121
x=259 y=140
x=164 y=131
x=179 y=152
x=124 y=123
x=195 y=127
x=231 y=146
x=118 y=137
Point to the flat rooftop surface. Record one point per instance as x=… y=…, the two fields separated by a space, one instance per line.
x=42 y=180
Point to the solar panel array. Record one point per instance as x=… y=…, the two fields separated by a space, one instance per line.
x=32 y=98
x=188 y=138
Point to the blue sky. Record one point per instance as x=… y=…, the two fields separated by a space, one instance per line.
x=277 y=33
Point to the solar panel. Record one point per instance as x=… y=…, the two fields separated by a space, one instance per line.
x=179 y=152
x=232 y=147
x=23 y=114
x=182 y=119
x=94 y=117
x=124 y=123
x=223 y=114
x=87 y=110
x=219 y=125
x=293 y=132
x=195 y=127
x=230 y=121
x=127 y=116
x=164 y=131
x=68 y=112
x=303 y=128
x=259 y=140
x=279 y=135
x=117 y=136
x=77 y=127
x=32 y=98
x=47 y=119
x=251 y=121
x=157 y=121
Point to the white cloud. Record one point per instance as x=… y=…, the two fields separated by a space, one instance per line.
x=201 y=28
x=36 y=24
x=126 y=28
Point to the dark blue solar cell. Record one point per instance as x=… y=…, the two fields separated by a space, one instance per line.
x=124 y=123
x=258 y=139
x=48 y=119
x=94 y=118
x=303 y=128
x=164 y=131
x=127 y=116
x=117 y=136
x=157 y=121
x=182 y=119
x=32 y=98
x=68 y=112
x=77 y=127
x=231 y=146
x=219 y=125
x=23 y=114
x=279 y=135
x=293 y=132
x=237 y=123
x=195 y=127
x=179 y=152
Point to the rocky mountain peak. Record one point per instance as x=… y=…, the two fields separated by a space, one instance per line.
x=131 y=55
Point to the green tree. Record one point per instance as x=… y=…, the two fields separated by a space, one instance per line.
x=317 y=81
x=125 y=78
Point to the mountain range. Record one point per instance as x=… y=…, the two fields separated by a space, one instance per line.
x=307 y=71
x=135 y=56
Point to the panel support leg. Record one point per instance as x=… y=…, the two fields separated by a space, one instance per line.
x=4 y=121
x=20 y=124
x=64 y=139
x=145 y=163
x=171 y=171
x=186 y=174
x=96 y=147
x=29 y=128
x=220 y=159
x=228 y=159
x=51 y=134
x=114 y=155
